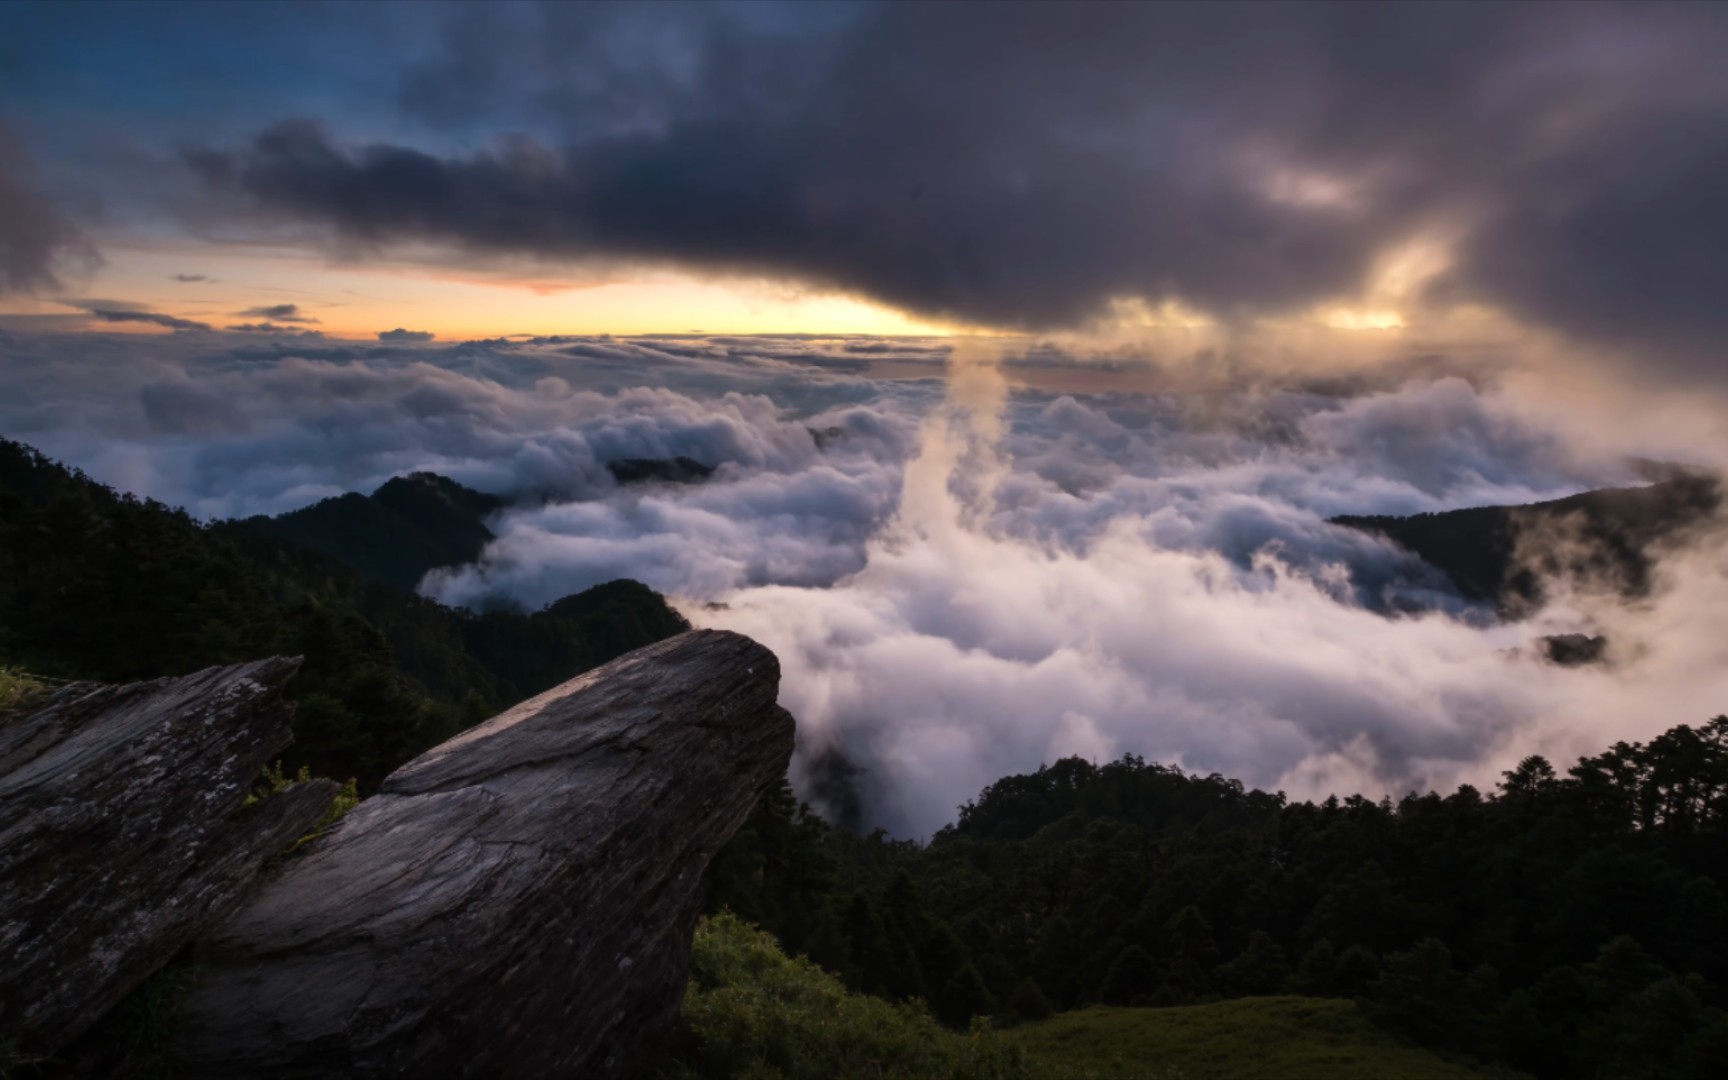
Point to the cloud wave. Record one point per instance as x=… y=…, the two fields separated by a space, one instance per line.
x=963 y=575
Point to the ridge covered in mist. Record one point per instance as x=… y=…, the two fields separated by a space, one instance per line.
x=1505 y=554
x=414 y=524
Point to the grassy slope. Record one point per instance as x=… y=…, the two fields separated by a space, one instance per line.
x=752 y=1011
x=1275 y=1038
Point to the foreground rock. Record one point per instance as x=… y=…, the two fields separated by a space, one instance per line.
x=123 y=834
x=516 y=902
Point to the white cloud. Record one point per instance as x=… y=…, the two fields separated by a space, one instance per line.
x=958 y=587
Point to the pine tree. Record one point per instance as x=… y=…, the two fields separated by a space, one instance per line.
x=1028 y=1002
x=1195 y=954
x=1131 y=978
x=1317 y=974
x=1259 y=970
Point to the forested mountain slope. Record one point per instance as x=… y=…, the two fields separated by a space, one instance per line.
x=424 y=521
x=410 y=525
x=95 y=584
x=1567 y=925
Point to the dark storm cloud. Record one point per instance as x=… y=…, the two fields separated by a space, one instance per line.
x=994 y=171
x=274 y=328
x=1624 y=240
x=36 y=237
x=153 y=318
x=404 y=336
x=1025 y=165
x=288 y=313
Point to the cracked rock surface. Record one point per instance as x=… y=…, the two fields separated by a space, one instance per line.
x=124 y=834
x=518 y=901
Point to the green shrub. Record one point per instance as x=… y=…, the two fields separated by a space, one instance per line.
x=275 y=779
x=752 y=1011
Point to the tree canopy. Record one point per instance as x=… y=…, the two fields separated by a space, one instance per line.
x=1568 y=924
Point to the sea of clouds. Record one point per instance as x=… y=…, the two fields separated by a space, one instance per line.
x=965 y=568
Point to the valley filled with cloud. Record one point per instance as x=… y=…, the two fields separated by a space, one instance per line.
x=965 y=569
x=1085 y=322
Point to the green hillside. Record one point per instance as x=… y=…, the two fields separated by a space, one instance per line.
x=1267 y=1038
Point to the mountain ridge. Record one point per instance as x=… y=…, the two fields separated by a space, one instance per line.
x=1502 y=554
x=99 y=585
x=408 y=526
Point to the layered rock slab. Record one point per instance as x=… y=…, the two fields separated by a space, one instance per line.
x=518 y=901
x=124 y=833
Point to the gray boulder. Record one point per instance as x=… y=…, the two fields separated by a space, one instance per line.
x=123 y=834
x=518 y=901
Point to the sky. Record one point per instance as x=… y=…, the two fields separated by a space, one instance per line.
x=1034 y=343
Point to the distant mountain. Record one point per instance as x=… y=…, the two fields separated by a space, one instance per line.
x=678 y=470
x=424 y=521
x=411 y=525
x=1504 y=553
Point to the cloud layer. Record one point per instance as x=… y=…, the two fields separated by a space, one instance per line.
x=1210 y=618
x=961 y=578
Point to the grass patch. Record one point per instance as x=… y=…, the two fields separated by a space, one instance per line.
x=18 y=690
x=753 y=1012
x=1270 y=1038
x=273 y=780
